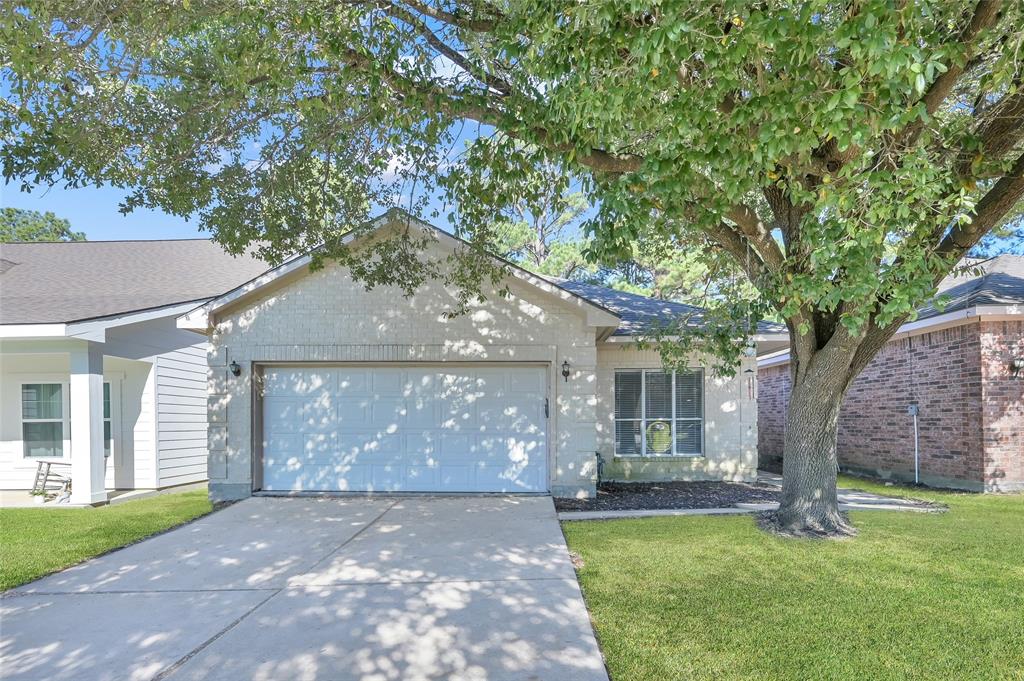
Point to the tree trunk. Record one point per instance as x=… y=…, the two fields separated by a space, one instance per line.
x=809 y=505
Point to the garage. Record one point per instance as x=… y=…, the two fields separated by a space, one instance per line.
x=405 y=428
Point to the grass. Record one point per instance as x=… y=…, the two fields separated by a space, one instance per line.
x=37 y=541
x=914 y=596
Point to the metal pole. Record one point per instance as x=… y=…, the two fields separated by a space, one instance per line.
x=917 y=454
x=913 y=410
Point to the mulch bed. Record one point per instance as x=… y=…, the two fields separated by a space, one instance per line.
x=633 y=496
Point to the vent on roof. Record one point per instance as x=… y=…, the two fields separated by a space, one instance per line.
x=6 y=264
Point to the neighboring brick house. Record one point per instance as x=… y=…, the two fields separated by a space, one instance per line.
x=957 y=366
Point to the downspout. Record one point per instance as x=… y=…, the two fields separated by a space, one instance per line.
x=913 y=411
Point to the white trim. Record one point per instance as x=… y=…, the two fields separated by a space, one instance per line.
x=33 y=330
x=644 y=454
x=198 y=318
x=929 y=325
x=65 y=419
x=92 y=329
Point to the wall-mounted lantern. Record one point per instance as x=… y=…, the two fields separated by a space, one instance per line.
x=565 y=370
x=1017 y=367
x=235 y=369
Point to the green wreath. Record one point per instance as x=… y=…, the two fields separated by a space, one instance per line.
x=659 y=437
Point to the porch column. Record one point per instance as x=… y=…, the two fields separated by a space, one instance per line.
x=87 y=465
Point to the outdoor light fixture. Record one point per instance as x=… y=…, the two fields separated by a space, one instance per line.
x=1017 y=367
x=565 y=370
x=235 y=369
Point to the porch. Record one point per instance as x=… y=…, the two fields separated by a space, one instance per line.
x=70 y=401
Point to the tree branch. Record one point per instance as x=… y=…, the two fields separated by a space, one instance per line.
x=1000 y=130
x=985 y=14
x=988 y=213
x=490 y=80
x=758 y=235
x=453 y=19
x=473 y=105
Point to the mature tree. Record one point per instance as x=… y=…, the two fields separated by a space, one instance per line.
x=31 y=225
x=540 y=230
x=845 y=153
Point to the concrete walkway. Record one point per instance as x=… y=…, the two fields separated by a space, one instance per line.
x=849 y=500
x=475 y=588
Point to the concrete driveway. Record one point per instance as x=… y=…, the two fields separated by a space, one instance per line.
x=474 y=588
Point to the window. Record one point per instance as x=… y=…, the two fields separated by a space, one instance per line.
x=45 y=422
x=108 y=424
x=43 y=419
x=659 y=413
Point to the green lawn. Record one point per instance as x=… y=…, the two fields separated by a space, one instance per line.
x=914 y=596
x=37 y=541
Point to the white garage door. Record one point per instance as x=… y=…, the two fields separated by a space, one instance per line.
x=405 y=429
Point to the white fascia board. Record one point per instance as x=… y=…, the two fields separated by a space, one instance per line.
x=91 y=329
x=95 y=329
x=30 y=331
x=774 y=359
x=196 y=319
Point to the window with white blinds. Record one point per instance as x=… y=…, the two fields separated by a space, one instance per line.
x=659 y=413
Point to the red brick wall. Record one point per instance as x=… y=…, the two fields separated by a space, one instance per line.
x=1003 y=405
x=772 y=400
x=940 y=372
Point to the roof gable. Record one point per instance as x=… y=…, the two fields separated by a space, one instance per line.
x=199 y=319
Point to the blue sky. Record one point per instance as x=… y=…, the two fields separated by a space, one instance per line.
x=94 y=211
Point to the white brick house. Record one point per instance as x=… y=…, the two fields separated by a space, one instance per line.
x=316 y=384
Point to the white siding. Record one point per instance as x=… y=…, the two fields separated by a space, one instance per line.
x=133 y=412
x=145 y=432
x=181 y=415
x=160 y=421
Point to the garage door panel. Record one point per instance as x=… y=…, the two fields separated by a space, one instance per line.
x=296 y=382
x=491 y=382
x=422 y=412
x=531 y=382
x=352 y=381
x=423 y=478
x=387 y=382
x=315 y=477
x=454 y=476
x=423 y=442
x=454 y=445
x=387 y=412
x=353 y=411
x=370 y=443
x=455 y=429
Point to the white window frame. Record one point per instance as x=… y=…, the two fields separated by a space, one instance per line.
x=65 y=392
x=110 y=385
x=643 y=420
x=65 y=420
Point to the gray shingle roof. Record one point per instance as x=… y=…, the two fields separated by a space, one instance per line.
x=72 y=281
x=641 y=314
x=1001 y=284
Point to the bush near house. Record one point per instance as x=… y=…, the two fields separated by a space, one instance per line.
x=914 y=596
x=37 y=541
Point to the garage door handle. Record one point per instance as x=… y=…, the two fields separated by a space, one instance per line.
x=547 y=413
